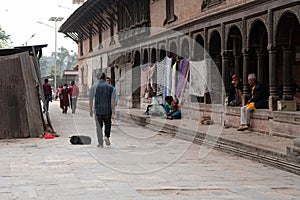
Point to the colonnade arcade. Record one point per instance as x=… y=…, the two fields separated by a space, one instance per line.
x=267 y=45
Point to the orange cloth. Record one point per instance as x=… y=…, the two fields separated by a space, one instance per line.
x=251 y=105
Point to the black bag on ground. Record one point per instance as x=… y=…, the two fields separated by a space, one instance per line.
x=80 y=139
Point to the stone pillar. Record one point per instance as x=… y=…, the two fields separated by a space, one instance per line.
x=217 y=94
x=260 y=70
x=273 y=80
x=245 y=75
x=287 y=82
x=225 y=71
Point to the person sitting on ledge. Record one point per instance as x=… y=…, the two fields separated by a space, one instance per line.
x=235 y=94
x=172 y=108
x=257 y=101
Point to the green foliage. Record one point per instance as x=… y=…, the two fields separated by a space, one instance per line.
x=4 y=39
x=65 y=61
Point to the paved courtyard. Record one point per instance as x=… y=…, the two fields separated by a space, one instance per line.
x=140 y=164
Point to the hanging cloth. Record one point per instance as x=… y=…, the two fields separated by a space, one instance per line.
x=173 y=89
x=198 y=78
x=182 y=77
x=168 y=75
x=160 y=66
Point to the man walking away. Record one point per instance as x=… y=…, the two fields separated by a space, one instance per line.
x=104 y=107
x=74 y=95
x=47 y=93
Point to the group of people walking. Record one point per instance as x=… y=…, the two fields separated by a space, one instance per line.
x=66 y=95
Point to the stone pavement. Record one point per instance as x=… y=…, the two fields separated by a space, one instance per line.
x=140 y=164
x=257 y=146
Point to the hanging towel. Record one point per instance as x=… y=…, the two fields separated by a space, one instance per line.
x=198 y=78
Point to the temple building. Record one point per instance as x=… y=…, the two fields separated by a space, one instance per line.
x=204 y=42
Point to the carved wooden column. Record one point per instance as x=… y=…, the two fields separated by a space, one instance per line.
x=225 y=71
x=260 y=71
x=217 y=94
x=287 y=82
x=273 y=79
x=245 y=74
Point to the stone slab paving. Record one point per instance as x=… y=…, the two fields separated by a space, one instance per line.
x=140 y=164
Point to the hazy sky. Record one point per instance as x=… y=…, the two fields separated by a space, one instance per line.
x=18 y=18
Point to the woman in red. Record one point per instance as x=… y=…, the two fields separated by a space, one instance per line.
x=64 y=96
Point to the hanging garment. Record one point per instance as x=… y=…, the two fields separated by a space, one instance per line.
x=174 y=79
x=151 y=74
x=160 y=66
x=198 y=78
x=182 y=77
x=144 y=79
x=168 y=75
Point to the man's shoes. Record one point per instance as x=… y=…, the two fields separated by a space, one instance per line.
x=100 y=145
x=107 y=142
x=243 y=128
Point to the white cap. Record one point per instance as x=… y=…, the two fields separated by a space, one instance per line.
x=252 y=77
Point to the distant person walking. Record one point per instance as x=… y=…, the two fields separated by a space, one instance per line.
x=47 y=94
x=64 y=97
x=104 y=107
x=74 y=90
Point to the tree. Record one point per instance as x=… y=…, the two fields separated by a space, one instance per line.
x=4 y=39
x=65 y=61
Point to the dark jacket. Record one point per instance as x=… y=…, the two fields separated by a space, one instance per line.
x=260 y=97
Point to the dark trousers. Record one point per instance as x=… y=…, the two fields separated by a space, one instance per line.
x=106 y=119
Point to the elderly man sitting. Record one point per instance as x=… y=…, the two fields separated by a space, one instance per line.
x=257 y=101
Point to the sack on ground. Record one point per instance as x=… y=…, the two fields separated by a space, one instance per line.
x=157 y=110
x=80 y=139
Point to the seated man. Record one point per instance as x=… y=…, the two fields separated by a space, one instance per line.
x=172 y=108
x=235 y=93
x=257 y=101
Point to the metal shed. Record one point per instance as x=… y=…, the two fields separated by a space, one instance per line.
x=20 y=89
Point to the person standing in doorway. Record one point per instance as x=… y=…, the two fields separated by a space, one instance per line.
x=104 y=107
x=74 y=90
x=47 y=94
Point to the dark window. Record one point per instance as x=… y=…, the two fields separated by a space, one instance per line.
x=170 y=12
x=100 y=36
x=81 y=47
x=91 y=40
x=112 y=32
